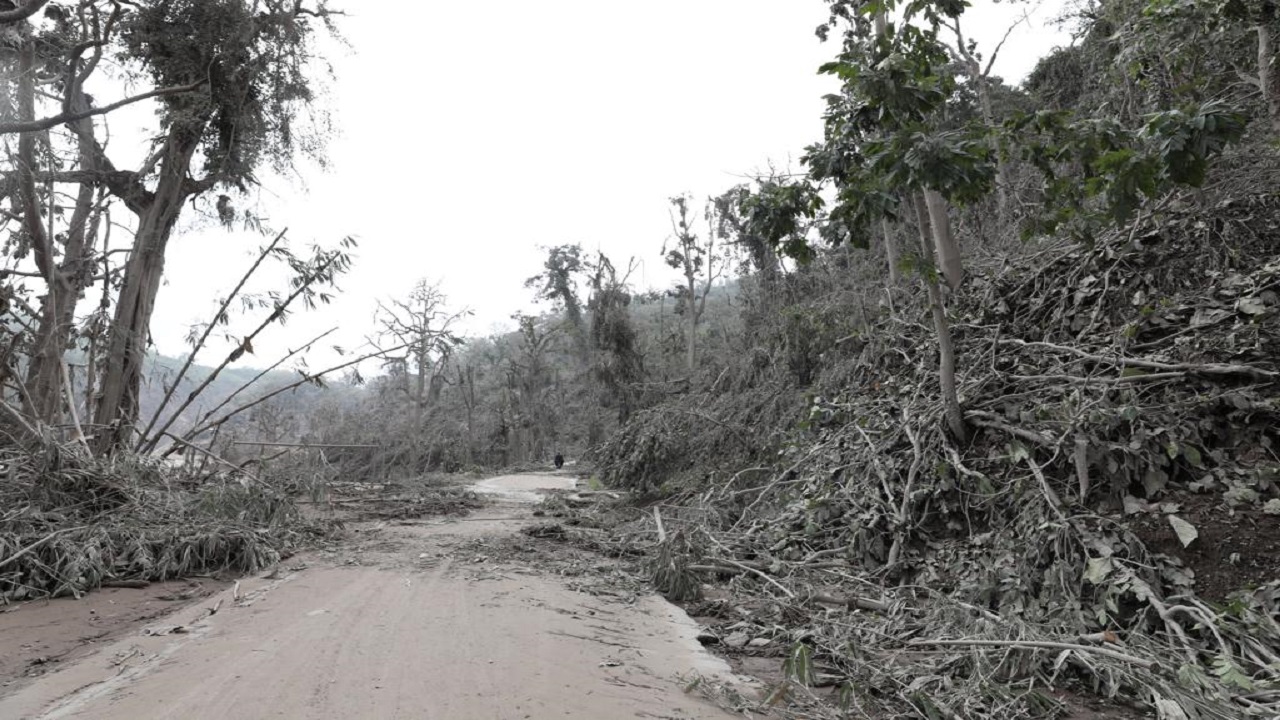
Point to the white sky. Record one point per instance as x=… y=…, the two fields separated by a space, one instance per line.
x=472 y=133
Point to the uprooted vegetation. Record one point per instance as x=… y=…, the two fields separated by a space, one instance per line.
x=1123 y=413
x=71 y=524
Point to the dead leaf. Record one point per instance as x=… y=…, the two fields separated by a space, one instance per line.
x=1097 y=570
x=1170 y=710
x=1134 y=505
x=1207 y=316
x=1187 y=532
x=1251 y=306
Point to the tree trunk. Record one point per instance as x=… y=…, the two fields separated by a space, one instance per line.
x=890 y=250
x=943 y=241
x=420 y=383
x=946 y=348
x=886 y=227
x=691 y=310
x=130 y=331
x=42 y=402
x=67 y=281
x=691 y=343
x=468 y=385
x=434 y=388
x=1267 y=77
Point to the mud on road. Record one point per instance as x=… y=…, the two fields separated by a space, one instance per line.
x=412 y=619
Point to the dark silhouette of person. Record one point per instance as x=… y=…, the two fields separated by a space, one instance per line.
x=559 y=461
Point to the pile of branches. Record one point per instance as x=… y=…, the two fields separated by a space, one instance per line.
x=1096 y=382
x=404 y=504
x=70 y=523
x=689 y=440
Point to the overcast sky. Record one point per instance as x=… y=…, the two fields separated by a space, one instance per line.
x=471 y=134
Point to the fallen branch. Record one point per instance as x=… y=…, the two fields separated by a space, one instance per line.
x=312 y=276
x=18 y=418
x=988 y=420
x=300 y=445
x=130 y=584
x=732 y=568
x=71 y=407
x=262 y=373
x=851 y=602
x=1039 y=645
x=18 y=555
x=733 y=564
x=1055 y=503
x=215 y=458
x=1203 y=368
x=205 y=426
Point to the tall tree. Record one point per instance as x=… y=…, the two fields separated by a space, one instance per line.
x=697 y=261
x=619 y=364
x=529 y=386
x=558 y=283
x=250 y=65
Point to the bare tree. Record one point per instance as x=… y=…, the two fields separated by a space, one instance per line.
x=423 y=325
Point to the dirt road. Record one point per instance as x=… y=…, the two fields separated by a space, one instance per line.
x=414 y=620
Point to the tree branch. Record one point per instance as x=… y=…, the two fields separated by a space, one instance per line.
x=66 y=117
x=8 y=17
x=1196 y=368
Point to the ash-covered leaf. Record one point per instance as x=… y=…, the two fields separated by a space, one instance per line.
x=1187 y=532
x=1097 y=570
x=1229 y=673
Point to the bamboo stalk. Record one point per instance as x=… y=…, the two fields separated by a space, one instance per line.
x=1038 y=644
x=299 y=445
x=191 y=356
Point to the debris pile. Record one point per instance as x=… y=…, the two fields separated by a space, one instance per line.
x=1110 y=391
x=70 y=524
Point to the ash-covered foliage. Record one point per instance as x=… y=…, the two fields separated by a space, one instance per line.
x=1107 y=388
x=70 y=524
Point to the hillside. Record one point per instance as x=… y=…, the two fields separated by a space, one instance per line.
x=1118 y=483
